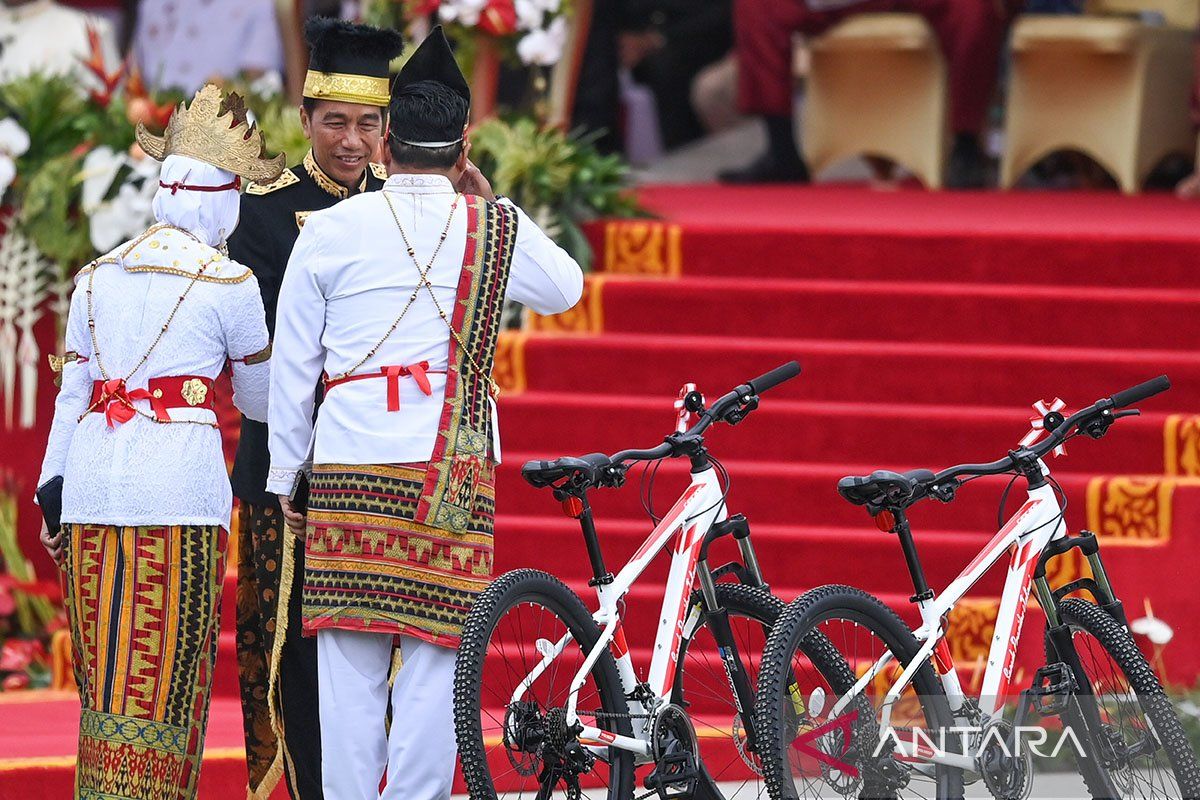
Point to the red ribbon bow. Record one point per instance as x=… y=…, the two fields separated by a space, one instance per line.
x=118 y=402
x=417 y=371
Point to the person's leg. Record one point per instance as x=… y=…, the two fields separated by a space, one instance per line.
x=972 y=33
x=670 y=78
x=763 y=31
x=299 y=692
x=253 y=652
x=763 y=43
x=352 y=667
x=421 y=746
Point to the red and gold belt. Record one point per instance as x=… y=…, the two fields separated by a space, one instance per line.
x=181 y=391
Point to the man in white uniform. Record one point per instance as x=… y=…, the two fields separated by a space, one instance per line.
x=394 y=299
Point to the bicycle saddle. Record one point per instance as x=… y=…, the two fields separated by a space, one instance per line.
x=884 y=488
x=541 y=474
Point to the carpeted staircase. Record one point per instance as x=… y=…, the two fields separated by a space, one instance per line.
x=926 y=325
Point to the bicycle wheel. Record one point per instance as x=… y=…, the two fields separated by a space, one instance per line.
x=523 y=748
x=729 y=770
x=812 y=747
x=1141 y=747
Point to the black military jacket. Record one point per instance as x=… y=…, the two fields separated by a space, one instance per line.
x=271 y=217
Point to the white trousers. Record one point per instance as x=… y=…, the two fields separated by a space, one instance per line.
x=418 y=753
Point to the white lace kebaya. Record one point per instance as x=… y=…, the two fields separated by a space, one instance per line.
x=122 y=463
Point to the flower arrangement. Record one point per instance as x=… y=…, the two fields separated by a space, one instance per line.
x=560 y=179
x=73 y=185
x=28 y=615
x=536 y=29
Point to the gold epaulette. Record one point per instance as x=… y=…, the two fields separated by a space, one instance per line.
x=379 y=171
x=285 y=179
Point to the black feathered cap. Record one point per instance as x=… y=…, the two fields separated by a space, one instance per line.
x=433 y=61
x=349 y=62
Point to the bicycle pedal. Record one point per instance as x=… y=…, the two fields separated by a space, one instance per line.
x=1053 y=686
x=674 y=776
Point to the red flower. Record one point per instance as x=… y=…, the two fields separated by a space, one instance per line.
x=94 y=63
x=8 y=603
x=422 y=8
x=17 y=654
x=14 y=682
x=499 y=18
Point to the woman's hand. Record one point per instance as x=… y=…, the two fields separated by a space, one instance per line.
x=53 y=544
x=297 y=521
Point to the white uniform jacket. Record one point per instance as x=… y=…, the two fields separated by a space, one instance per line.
x=348 y=278
x=143 y=472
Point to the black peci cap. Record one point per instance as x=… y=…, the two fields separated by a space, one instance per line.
x=433 y=61
x=349 y=62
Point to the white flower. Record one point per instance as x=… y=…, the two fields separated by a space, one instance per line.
x=121 y=218
x=544 y=48
x=99 y=170
x=269 y=84
x=1153 y=628
x=465 y=12
x=529 y=14
x=549 y=6
x=13 y=139
x=8 y=171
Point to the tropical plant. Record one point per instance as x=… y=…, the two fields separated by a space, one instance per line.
x=561 y=180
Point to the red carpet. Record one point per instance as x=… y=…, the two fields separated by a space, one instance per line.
x=925 y=323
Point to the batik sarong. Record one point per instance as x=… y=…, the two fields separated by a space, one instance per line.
x=144 y=607
x=370 y=567
x=269 y=642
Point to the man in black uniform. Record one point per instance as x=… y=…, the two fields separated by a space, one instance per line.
x=346 y=94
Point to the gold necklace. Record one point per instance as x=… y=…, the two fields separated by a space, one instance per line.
x=146 y=356
x=493 y=387
x=422 y=280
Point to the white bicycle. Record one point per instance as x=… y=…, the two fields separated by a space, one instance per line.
x=547 y=699
x=895 y=720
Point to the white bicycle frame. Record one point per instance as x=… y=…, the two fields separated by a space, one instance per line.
x=1038 y=522
x=685 y=526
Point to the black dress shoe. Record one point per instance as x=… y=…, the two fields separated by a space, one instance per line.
x=767 y=169
x=968 y=168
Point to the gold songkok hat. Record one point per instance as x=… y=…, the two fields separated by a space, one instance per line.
x=349 y=62
x=214 y=129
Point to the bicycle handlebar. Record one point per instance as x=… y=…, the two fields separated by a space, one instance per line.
x=884 y=488
x=732 y=408
x=1141 y=392
x=769 y=380
x=741 y=397
x=1099 y=412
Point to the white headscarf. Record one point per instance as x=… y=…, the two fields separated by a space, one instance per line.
x=210 y=216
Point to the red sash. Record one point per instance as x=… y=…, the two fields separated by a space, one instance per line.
x=462 y=463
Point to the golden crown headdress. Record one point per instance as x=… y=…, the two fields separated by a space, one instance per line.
x=214 y=129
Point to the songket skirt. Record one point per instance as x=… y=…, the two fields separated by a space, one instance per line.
x=369 y=566
x=144 y=609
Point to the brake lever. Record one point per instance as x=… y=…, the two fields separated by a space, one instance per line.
x=735 y=415
x=614 y=476
x=945 y=491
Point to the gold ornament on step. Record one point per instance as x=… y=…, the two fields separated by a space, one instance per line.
x=214 y=129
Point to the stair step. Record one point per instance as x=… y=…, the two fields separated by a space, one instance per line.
x=861 y=371
x=816 y=431
x=1008 y=314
